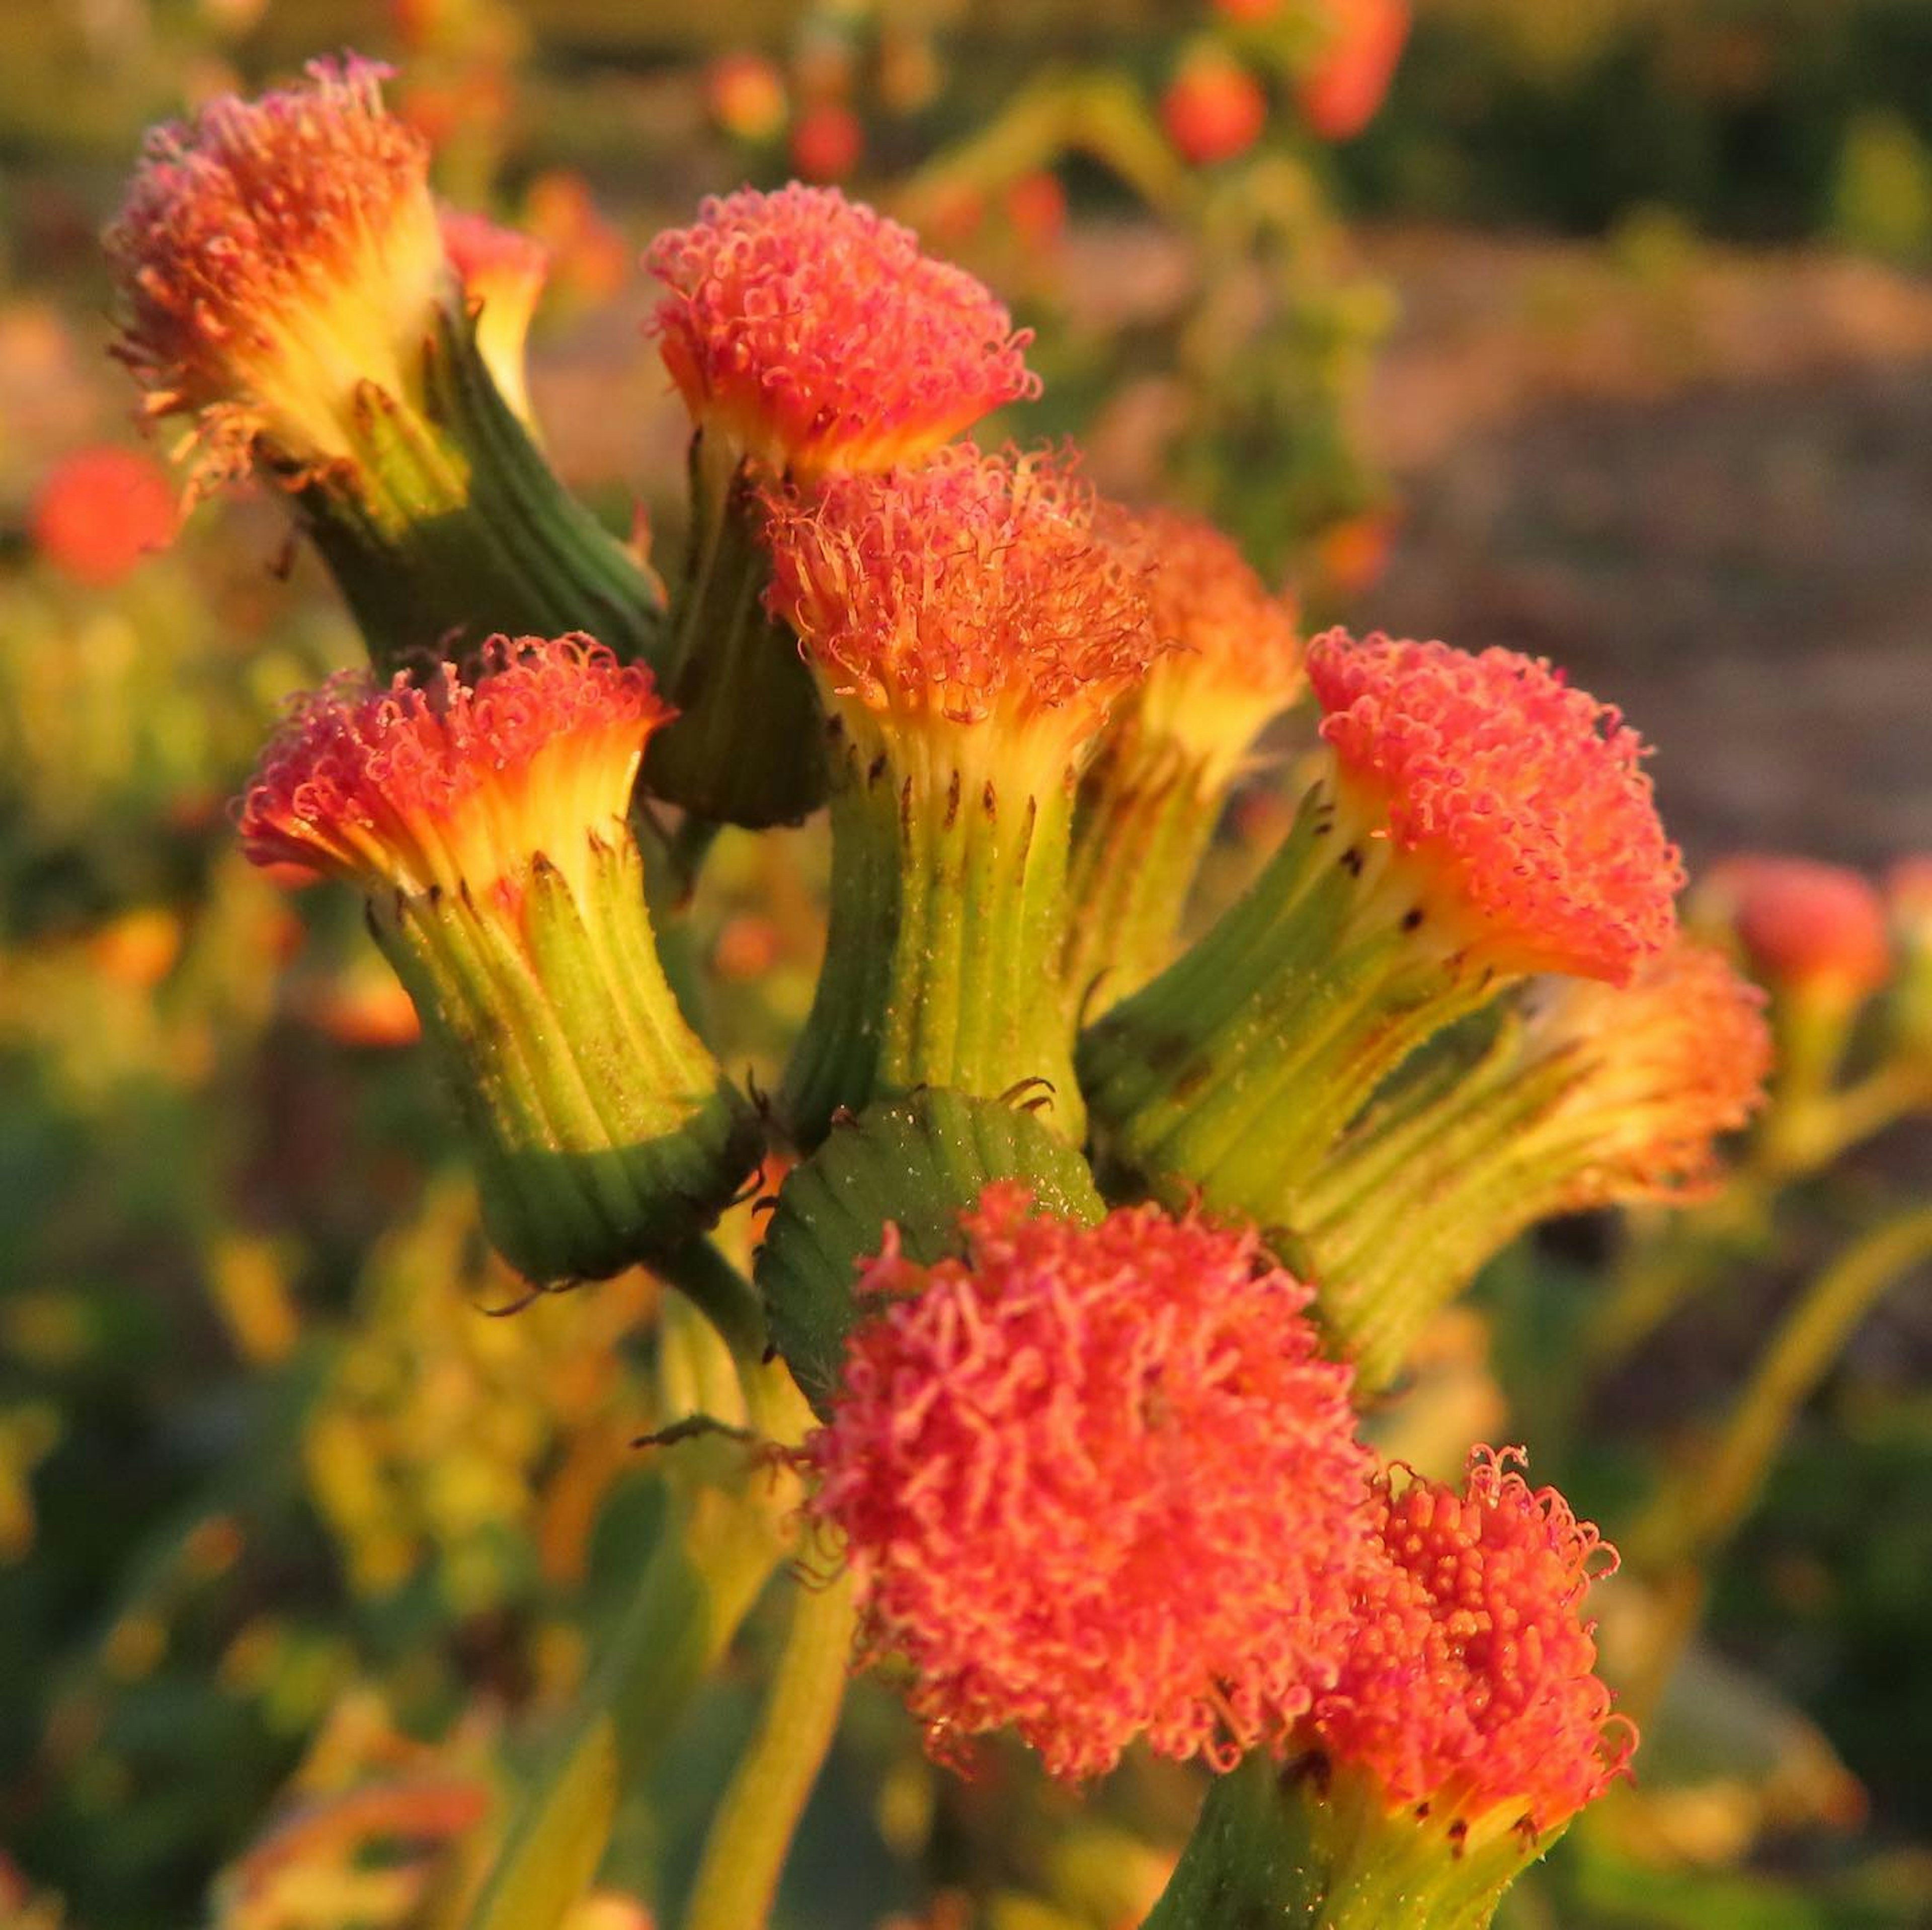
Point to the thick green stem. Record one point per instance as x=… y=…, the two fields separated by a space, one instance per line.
x=751 y=1831
x=449 y=526
x=1234 y=1071
x=1144 y=819
x=603 y=1131
x=747 y=745
x=943 y=955
x=1304 y=1848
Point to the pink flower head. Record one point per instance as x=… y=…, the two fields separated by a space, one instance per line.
x=1470 y=1677
x=274 y=256
x=1097 y=1483
x=1666 y=1065
x=1514 y=804
x=459 y=785
x=814 y=335
x=1804 y=926
x=974 y=587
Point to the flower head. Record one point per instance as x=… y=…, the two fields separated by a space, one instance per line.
x=275 y=256
x=974 y=587
x=1803 y=926
x=100 y=511
x=1668 y=1064
x=460 y=784
x=1236 y=660
x=814 y=335
x=1341 y=94
x=1097 y=1483
x=1515 y=803
x=1469 y=1680
x=1214 y=109
x=502 y=274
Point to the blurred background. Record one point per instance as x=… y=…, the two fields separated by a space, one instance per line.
x=1602 y=330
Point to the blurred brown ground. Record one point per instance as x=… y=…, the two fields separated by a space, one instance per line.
x=1702 y=481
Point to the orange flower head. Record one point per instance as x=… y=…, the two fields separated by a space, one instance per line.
x=828 y=141
x=1214 y=110
x=1809 y=928
x=814 y=335
x=1097 y=1483
x=1236 y=656
x=745 y=94
x=1669 y=1064
x=502 y=274
x=275 y=257
x=100 y=512
x=974 y=589
x=1514 y=805
x=458 y=786
x=1469 y=1680
x=1340 y=95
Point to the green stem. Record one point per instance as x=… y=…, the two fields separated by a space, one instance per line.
x=1143 y=822
x=603 y=1131
x=1319 y=1850
x=1235 y=1071
x=725 y=1297
x=751 y=1831
x=747 y=745
x=451 y=527
x=943 y=953
x=1701 y=1509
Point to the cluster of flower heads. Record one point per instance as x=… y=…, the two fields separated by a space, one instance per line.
x=976 y=586
x=1519 y=800
x=1099 y=1484
x=454 y=782
x=816 y=335
x=275 y=255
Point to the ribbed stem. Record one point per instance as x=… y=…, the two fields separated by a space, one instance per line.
x=450 y=526
x=1144 y=819
x=746 y=747
x=943 y=954
x=1234 y=1072
x=1300 y=1848
x=604 y=1131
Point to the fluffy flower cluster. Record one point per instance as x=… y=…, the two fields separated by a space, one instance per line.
x=460 y=784
x=815 y=335
x=974 y=586
x=273 y=255
x=1516 y=803
x=1097 y=1483
x=1667 y=1065
x=1470 y=1680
